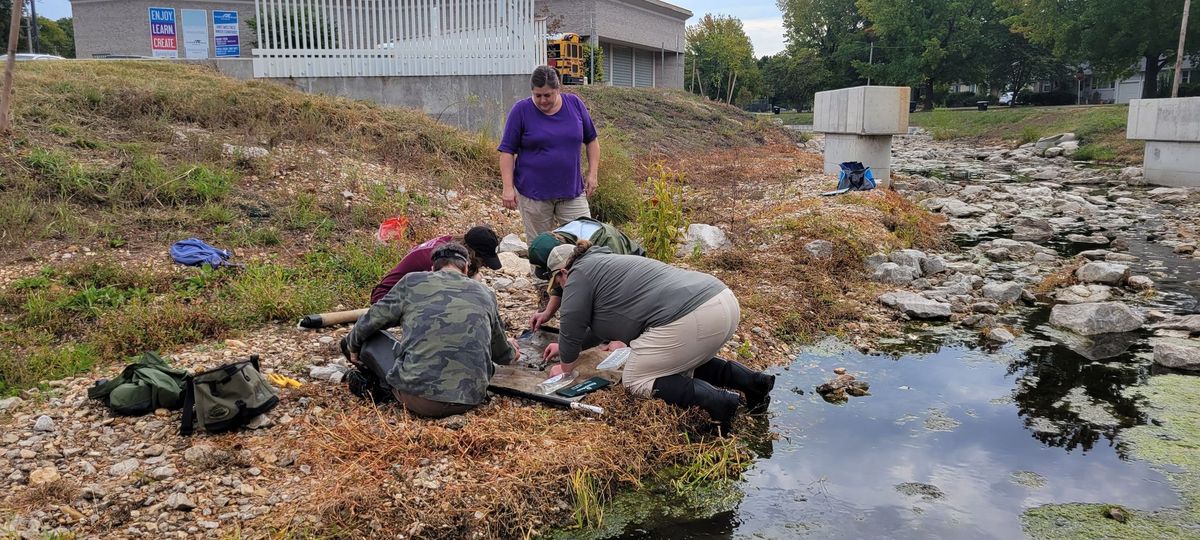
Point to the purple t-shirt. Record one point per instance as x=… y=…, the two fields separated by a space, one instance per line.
x=547 y=147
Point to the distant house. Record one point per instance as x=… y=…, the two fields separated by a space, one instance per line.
x=643 y=40
x=1095 y=89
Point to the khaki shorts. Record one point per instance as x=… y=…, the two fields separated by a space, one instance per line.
x=545 y=216
x=683 y=345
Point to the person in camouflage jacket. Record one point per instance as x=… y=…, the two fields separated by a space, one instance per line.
x=451 y=334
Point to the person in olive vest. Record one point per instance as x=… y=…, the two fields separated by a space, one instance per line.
x=451 y=334
x=598 y=233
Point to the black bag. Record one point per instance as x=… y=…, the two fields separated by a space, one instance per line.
x=226 y=397
x=375 y=360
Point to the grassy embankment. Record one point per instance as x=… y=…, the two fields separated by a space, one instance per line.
x=1100 y=128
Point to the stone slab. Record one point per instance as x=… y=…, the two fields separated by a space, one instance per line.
x=1171 y=119
x=862 y=110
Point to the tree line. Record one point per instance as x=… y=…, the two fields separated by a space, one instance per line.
x=930 y=44
x=53 y=36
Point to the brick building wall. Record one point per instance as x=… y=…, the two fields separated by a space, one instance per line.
x=122 y=27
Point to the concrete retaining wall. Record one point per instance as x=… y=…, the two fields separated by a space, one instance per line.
x=859 y=123
x=476 y=103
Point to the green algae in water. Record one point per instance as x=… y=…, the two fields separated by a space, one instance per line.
x=1174 y=447
x=658 y=502
x=1029 y=479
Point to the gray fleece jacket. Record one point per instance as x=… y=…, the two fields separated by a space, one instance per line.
x=618 y=297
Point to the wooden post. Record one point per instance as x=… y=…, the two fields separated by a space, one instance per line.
x=14 y=32
x=1187 y=5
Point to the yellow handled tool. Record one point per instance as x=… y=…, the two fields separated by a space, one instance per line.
x=283 y=382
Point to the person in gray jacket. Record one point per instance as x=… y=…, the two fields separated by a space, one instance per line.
x=674 y=320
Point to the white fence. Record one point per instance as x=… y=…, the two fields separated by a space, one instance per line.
x=341 y=38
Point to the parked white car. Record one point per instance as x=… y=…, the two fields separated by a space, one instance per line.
x=28 y=56
x=1006 y=98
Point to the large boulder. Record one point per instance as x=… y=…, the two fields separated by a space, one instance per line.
x=1096 y=318
x=1189 y=323
x=1178 y=354
x=933 y=265
x=893 y=273
x=709 y=238
x=915 y=305
x=1031 y=229
x=1004 y=293
x=1102 y=272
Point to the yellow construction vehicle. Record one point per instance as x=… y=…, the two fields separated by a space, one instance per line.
x=564 y=53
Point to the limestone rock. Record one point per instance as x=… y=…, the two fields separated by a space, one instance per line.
x=915 y=305
x=1102 y=272
x=1004 y=293
x=513 y=265
x=873 y=261
x=1181 y=354
x=1054 y=140
x=43 y=423
x=893 y=273
x=709 y=238
x=10 y=403
x=933 y=265
x=180 y=502
x=328 y=372
x=123 y=468
x=1095 y=318
x=911 y=258
x=1140 y=283
x=819 y=249
x=513 y=244
x=1080 y=294
x=252 y=152
x=1000 y=334
x=44 y=475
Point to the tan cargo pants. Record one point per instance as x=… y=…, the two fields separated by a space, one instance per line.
x=683 y=345
x=545 y=216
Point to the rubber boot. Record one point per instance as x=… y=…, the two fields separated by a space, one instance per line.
x=756 y=385
x=683 y=391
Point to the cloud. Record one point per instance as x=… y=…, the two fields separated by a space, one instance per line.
x=765 y=34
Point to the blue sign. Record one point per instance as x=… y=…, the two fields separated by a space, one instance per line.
x=163 y=38
x=225 y=32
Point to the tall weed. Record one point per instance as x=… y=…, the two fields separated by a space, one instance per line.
x=661 y=214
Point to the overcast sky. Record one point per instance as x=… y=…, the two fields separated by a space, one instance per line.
x=761 y=18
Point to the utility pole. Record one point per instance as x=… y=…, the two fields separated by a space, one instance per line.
x=1187 y=4
x=14 y=32
x=35 y=40
x=871 y=61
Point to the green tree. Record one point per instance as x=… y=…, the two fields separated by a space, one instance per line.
x=595 y=63
x=1014 y=62
x=833 y=30
x=928 y=41
x=791 y=77
x=719 y=60
x=54 y=39
x=1109 y=35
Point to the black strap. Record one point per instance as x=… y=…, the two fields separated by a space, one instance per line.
x=189 y=407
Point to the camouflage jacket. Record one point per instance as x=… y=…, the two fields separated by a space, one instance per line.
x=450 y=333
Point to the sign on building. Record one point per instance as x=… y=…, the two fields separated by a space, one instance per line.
x=195 y=32
x=162 y=33
x=225 y=31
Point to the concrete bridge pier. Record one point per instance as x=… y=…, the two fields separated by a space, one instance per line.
x=1171 y=129
x=859 y=123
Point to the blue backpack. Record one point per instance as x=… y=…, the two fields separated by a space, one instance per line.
x=855 y=177
x=194 y=252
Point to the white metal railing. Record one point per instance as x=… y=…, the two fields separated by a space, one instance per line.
x=339 y=38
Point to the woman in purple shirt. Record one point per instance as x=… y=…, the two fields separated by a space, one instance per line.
x=539 y=156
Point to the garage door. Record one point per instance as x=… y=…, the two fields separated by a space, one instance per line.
x=622 y=66
x=643 y=69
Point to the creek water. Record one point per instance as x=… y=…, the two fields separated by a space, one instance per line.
x=959 y=436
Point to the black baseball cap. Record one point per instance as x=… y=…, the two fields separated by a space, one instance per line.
x=483 y=241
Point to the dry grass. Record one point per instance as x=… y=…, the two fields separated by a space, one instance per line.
x=1062 y=277
x=514 y=470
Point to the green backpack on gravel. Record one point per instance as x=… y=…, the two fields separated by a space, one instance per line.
x=227 y=397
x=147 y=384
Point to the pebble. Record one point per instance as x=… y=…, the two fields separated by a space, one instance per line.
x=180 y=502
x=123 y=468
x=163 y=473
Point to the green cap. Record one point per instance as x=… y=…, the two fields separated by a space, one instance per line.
x=540 y=247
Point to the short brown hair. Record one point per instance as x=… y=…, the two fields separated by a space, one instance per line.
x=544 y=76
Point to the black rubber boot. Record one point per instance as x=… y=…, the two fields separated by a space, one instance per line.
x=756 y=385
x=683 y=391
